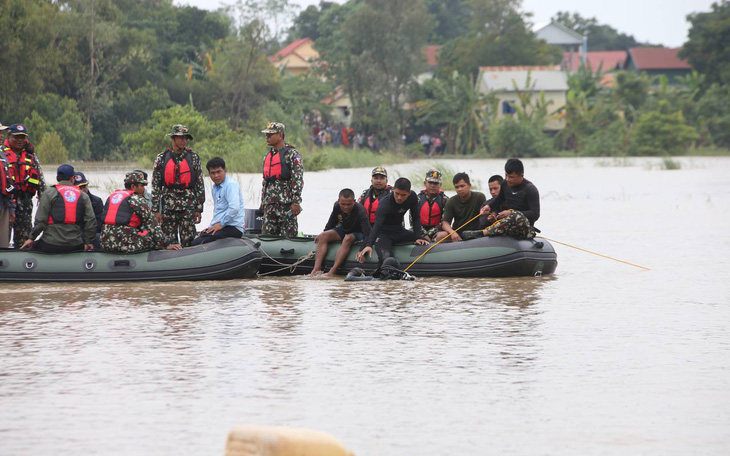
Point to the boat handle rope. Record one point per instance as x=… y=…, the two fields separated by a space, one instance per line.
x=439 y=242
x=292 y=267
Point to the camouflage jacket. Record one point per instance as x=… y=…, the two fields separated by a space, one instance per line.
x=177 y=199
x=124 y=238
x=285 y=191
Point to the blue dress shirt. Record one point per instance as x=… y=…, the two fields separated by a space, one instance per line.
x=228 y=204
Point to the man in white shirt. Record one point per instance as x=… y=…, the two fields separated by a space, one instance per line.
x=228 y=214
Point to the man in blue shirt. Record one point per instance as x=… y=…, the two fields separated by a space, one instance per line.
x=228 y=214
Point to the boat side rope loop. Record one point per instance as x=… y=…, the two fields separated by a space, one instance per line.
x=292 y=267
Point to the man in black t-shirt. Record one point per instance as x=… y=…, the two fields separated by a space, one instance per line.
x=348 y=223
x=388 y=228
x=520 y=203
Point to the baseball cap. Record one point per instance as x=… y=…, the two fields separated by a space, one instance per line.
x=380 y=170
x=433 y=175
x=80 y=180
x=3 y=127
x=17 y=129
x=274 y=127
x=135 y=177
x=65 y=172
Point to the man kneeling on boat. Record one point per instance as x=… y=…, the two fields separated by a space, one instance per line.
x=520 y=204
x=348 y=223
x=389 y=227
x=62 y=212
x=129 y=225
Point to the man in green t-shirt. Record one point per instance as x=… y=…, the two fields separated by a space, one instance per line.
x=460 y=209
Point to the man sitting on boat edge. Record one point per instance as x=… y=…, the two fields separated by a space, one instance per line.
x=228 y=208
x=348 y=223
x=129 y=224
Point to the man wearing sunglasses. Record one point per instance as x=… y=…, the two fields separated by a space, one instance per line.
x=281 y=195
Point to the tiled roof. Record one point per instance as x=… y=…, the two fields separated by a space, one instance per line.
x=658 y=59
x=431 y=54
x=291 y=47
x=611 y=60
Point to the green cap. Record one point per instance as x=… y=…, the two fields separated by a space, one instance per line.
x=135 y=177
x=180 y=130
x=380 y=170
x=274 y=127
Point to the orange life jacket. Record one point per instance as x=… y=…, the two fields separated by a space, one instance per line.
x=370 y=201
x=117 y=210
x=67 y=208
x=24 y=172
x=182 y=175
x=431 y=211
x=275 y=167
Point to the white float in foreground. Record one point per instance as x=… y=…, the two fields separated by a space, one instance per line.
x=253 y=440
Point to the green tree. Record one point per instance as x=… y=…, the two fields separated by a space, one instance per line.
x=498 y=34
x=631 y=91
x=457 y=105
x=509 y=137
x=661 y=133
x=450 y=17
x=51 y=149
x=706 y=49
x=54 y=114
x=307 y=23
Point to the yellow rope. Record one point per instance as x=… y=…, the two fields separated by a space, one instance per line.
x=595 y=253
x=439 y=242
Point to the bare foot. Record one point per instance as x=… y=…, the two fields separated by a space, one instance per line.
x=315 y=273
x=331 y=274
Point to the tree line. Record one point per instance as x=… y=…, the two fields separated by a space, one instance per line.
x=104 y=79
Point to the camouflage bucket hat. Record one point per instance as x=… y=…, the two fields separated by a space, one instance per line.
x=274 y=127
x=180 y=130
x=135 y=177
x=433 y=175
x=380 y=170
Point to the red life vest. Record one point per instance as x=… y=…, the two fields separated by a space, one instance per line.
x=6 y=182
x=117 y=210
x=431 y=211
x=179 y=176
x=67 y=208
x=275 y=166
x=24 y=172
x=370 y=201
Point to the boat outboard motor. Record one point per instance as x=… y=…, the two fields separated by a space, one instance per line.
x=389 y=270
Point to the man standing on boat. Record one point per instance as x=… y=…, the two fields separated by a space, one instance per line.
x=64 y=216
x=348 y=223
x=388 y=228
x=178 y=192
x=520 y=202
x=27 y=177
x=431 y=202
x=281 y=195
x=379 y=187
x=129 y=226
x=7 y=202
x=228 y=209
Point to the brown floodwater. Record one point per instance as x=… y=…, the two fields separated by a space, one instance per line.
x=599 y=358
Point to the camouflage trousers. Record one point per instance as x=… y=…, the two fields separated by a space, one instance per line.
x=430 y=231
x=515 y=225
x=127 y=239
x=279 y=221
x=23 y=221
x=178 y=222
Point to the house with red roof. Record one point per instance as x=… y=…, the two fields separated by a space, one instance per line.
x=655 y=61
x=297 y=57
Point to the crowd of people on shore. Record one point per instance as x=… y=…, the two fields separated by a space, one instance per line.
x=343 y=136
x=70 y=218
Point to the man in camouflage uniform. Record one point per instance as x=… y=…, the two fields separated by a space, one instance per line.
x=436 y=201
x=124 y=238
x=27 y=178
x=178 y=192
x=281 y=195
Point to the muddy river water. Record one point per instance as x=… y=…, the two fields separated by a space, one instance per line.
x=599 y=358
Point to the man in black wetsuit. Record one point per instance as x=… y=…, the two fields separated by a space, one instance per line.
x=520 y=202
x=348 y=224
x=388 y=228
